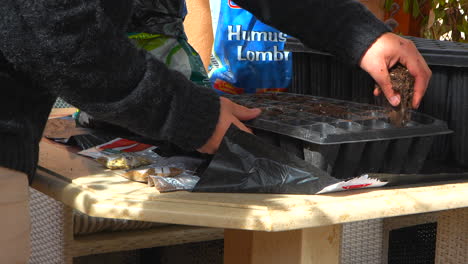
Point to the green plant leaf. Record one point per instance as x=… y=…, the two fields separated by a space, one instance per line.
x=416 y=11
x=406 y=6
x=388 y=4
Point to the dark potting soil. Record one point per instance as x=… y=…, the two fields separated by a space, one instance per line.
x=302 y=105
x=402 y=83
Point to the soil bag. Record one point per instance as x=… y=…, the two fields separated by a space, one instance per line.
x=245 y=163
x=248 y=56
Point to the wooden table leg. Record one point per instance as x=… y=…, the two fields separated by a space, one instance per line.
x=305 y=246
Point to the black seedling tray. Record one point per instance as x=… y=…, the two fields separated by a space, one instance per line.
x=329 y=121
x=343 y=138
x=318 y=73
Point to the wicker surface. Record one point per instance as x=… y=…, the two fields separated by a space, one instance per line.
x=48 y=219
x=452 y=237
x=53 y=241
x=413 y=244
x=60 y=103
x=452 y=233
x=85 y=224
x=362 y=242
x=394 y=223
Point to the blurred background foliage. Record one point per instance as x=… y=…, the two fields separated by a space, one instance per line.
x=440 y=19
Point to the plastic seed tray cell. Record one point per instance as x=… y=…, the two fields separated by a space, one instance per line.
x=328 y=121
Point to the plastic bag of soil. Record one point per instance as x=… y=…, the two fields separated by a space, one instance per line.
x=245 y=163
x=248 y=56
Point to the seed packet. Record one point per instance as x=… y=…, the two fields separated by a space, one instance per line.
x=142 y=174
x=182 y=182
x=122 y=154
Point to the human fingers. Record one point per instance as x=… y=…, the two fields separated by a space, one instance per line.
x=241 y=126
x=379 y=57
x=226 y=118
x=241 y=112
x=376 y=90
x=212 y=145
x=418 y=68
x=382 y=78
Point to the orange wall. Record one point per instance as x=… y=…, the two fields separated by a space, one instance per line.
x=376 y=6
x=198 y=28
x=408 y=25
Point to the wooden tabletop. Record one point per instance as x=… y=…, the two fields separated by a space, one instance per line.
x=88 y=187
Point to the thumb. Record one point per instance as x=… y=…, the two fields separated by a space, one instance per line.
x=382 y=78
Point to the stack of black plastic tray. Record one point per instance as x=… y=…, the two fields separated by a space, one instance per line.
x=341 y=137
x=319 y=73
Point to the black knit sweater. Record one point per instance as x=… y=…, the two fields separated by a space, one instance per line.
x=78 y=50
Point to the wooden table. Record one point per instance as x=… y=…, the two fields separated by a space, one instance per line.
x=259 y=228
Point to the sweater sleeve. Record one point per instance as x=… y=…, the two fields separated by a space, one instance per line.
x=345 y=28
x=76 y=51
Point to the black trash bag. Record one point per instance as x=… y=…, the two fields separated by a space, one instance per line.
x=245 y=163
x=409 y=179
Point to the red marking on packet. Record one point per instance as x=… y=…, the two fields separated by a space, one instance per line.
x=350 y=187
x=124 y=145
x=227 y=87
x=137 y=148
x=232 y=5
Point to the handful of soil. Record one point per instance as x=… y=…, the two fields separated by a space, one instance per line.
x=402 y=83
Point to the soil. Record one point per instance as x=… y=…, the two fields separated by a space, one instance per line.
x=403 y=83
x=301 y=104
x=330 y=110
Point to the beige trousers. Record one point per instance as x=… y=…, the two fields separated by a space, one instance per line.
x=15 y=223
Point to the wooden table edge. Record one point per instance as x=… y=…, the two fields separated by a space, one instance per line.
x=268 y=219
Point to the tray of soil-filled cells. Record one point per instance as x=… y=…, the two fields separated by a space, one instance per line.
x=344 y=138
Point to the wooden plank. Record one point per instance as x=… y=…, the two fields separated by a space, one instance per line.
x=322 y=244
x=306 y=246
x=60 y=112
x=129 y=240
x=63 y=160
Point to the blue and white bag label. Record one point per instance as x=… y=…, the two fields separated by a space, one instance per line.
x=248 y=55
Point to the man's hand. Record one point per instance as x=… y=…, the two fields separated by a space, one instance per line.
x=229 y=113
x=387 y=50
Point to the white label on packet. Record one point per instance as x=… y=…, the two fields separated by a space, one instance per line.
x=361 y=182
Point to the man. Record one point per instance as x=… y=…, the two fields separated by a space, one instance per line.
x=79 y=50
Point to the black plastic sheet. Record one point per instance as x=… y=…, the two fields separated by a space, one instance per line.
x=410 y=179
x=245 y=163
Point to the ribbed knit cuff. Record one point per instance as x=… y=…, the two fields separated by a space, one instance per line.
x=359 y=35
x=197 y=119
x=18 y=155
